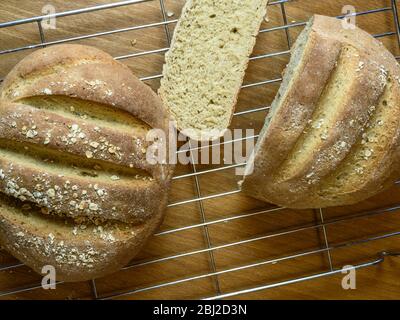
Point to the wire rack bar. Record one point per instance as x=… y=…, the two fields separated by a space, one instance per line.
x=89 y=9
x=266 y=236
x=24 y=289
x=271 y=261
x=253 y=110
x=165 y=20
x=205 y=226
x=213 y=196
x=328 y=253
x=220 y=143
x=363 y=214
x=224 y=220
x=269 y=55
x=284 y=232
x=89 y=36
x=198 y=173
x=164 y=23
x=38 y=19
x=268 y=81
x=288 y=231
x=94 y=289
x=296 y=280
x=70 y=12
x=285 y=21
x=163 y=50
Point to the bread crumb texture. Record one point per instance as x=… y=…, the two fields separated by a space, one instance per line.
x=205 y=66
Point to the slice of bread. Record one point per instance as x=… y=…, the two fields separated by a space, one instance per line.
x=332 y=135
x=206 y=64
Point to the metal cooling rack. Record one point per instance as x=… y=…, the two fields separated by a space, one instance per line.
x=327 y=249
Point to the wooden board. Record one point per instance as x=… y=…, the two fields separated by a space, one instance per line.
x=377 y=282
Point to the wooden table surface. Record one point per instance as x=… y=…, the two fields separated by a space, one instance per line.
x=381 y=281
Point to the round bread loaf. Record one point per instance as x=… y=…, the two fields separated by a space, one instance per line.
x=332 y=135
x=77 y=191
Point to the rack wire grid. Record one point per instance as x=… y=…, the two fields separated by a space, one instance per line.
x=215 y=242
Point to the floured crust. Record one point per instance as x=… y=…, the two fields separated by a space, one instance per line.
x=77 y=253
x=87 y=73
x=314 y=150
x=73 y=150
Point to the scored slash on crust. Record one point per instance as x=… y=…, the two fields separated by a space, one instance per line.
x=76 y=190
x=331 y=137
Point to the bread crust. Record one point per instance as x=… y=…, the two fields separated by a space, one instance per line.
x=86 y=167
x=86 y=73
x=76 y=254
x=342 y=79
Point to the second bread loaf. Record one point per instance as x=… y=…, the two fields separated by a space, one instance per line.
x=333 y=133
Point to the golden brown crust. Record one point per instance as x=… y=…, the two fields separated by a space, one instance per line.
x=87 y=138
x=319 y=158
x=77 y=253
x=291 y=120
x=94 y=77
x=73 y=141
x=73 y=194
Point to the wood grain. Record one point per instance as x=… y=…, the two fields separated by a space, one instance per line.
x=378 y=282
